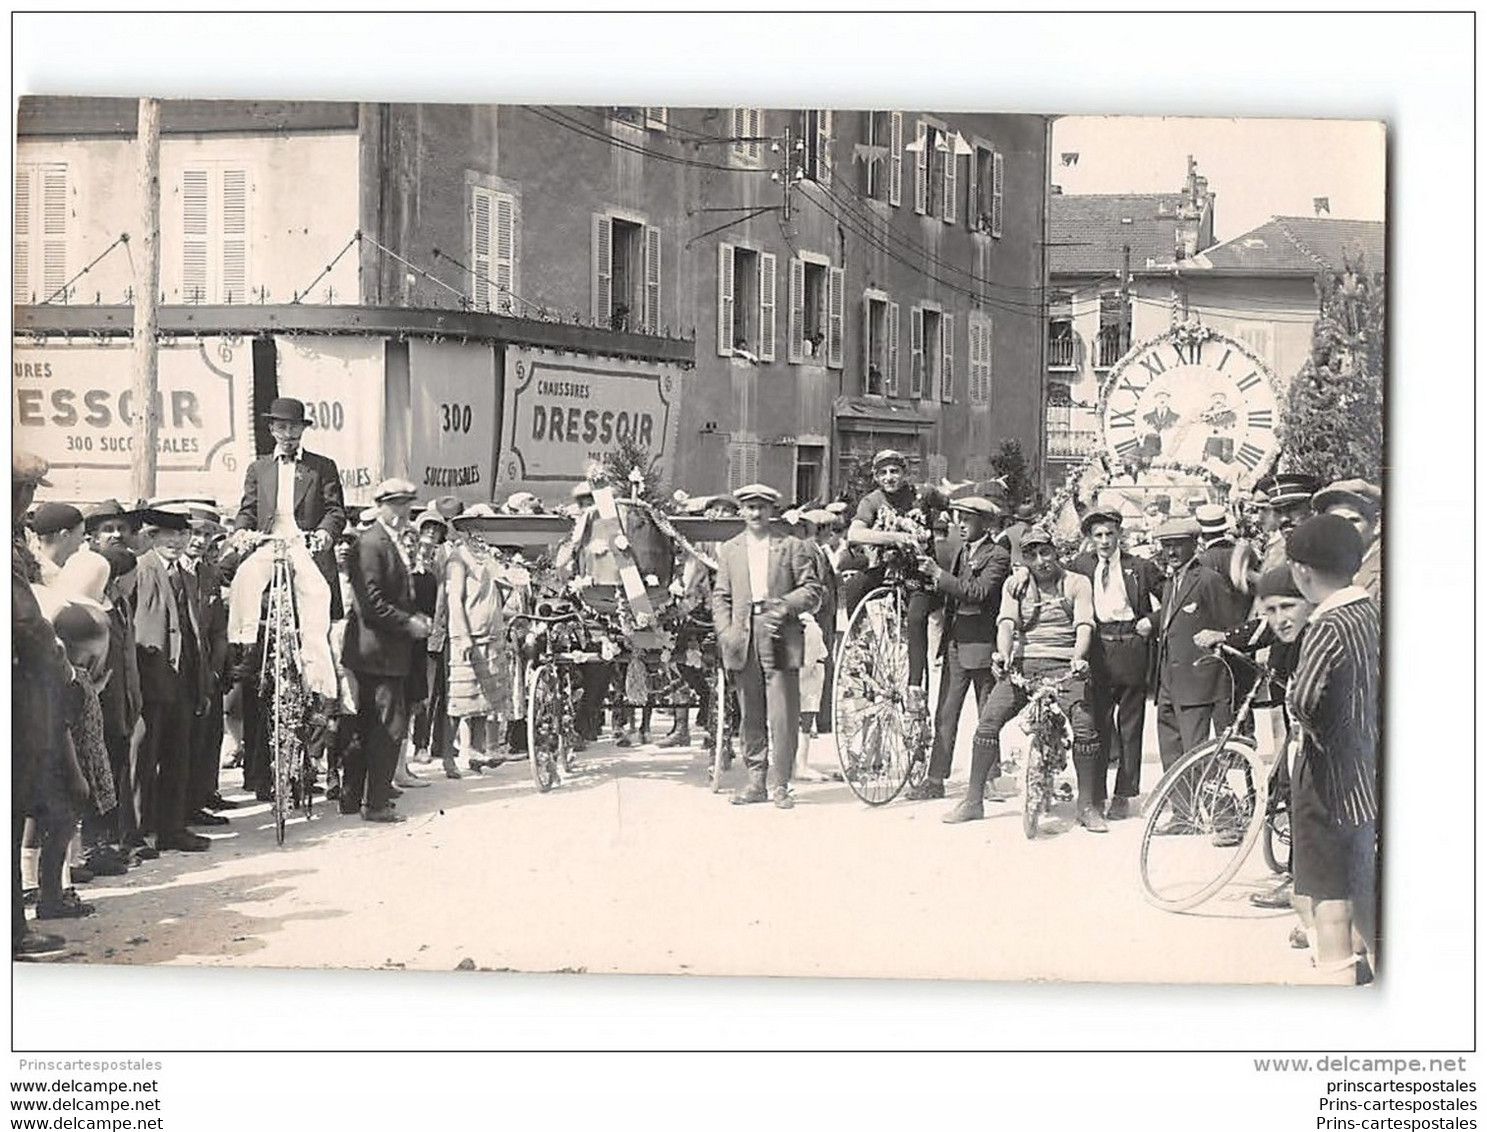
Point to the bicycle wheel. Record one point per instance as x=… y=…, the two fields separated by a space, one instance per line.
x=278 y=672
x=544 y=727
x=1276 y=841
x=1034 y=789
x=1201 y=823
x=868 y=700
x=720 y=725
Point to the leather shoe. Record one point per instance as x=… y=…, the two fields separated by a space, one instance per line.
x=38 y=945
x=1120 y=809
x=1278 y=897
x=749 y=795
x=967 y=811
x=350 y=809
x=106 y=865
x=782 y=799
x=203 y=817
x=385 y=816
x=217 y=802
x=145 y=852
x=67 y=908
x=394 y=792
x=185 y=842
x=1227 y=838
x=1093 y=820
x=80 y=874
x=926 y=790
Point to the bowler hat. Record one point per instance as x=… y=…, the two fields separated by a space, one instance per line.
x=288 y=409
x=1328 y=543
x=1099 y=515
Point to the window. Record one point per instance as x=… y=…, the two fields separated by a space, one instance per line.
x=745 y=130
x=743 y=461
x=978 y=376
x=746 y=303
x=817 y=313
x=655 y=117
x=815 y=132
x=880 y=345
x=884 y=167
x=1259 y=337
x=492 y=250
x=810 y=459
x=41 y=214
x=1115 y=329
x=626 y=289
x=934 y=171
x=214 y=227
x=930 y=349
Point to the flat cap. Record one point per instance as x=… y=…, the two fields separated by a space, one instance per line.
x=1278 y=582
x=757 y=493
x=28 y=467
x=1328 y=543
x=821 y=517
x=1100 y=515
x=890 y=456
x=1177 y=528
x=976 y=505
x=394 y=490
x=1037 y=535
x=51 y=518
x=1360 y=495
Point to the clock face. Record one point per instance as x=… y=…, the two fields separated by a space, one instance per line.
x=1184 y=402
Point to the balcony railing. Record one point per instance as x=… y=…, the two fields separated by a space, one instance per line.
x=1112 y=343
x=1061 y=351
x=1069 y=436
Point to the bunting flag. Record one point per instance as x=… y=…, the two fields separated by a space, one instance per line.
x=869 y=153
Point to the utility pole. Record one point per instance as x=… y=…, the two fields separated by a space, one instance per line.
x=789 y=172
x=146 y=430
x=1125 y=299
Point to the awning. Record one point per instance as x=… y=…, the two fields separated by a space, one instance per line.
x=863 y=414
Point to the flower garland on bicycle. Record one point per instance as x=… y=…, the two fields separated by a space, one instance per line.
x=888 y=535
x=1045 y=628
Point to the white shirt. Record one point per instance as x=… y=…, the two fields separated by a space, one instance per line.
x=1345 y=596
x=284 y=525
x=1111 y=600
x=758 y=554
x=397 y=543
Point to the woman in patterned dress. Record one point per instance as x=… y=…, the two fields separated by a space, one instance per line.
x=479 y=683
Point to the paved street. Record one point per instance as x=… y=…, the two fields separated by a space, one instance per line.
x=633 y=865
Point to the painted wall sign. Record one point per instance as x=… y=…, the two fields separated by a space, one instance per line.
x=341 y=381
x=73 y=405
x=561 y=412
x=453 y=403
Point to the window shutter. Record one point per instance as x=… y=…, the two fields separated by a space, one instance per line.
x=480 y=248
x=53 y=228
x=655 y=117
x=836 y=316
x=950 y=162
x=751 y=461
x=916 y=353
x=986 y=334
x=21 y=285
x=947 y=357
x=194 y=230
x=234 y=287
x=996 y=194
x=504 y=252
x=795 y=322
x=766 y=306
x=603 y=270
x=891 y=377
x=895 y=157
x=867 y=347
x=1258 y=337
x=725 y=300
x=921 y=169
x=973 y=175
x=823 y=147
x=756 y=130
x=652 y=279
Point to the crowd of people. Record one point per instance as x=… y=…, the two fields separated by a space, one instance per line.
x=139 y=635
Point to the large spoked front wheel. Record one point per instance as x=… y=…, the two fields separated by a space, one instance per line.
x=1201 y=823
x=1034 y=789
x=545 y=738
x=869 y=698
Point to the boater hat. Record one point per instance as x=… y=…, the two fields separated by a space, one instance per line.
x=1212 y=518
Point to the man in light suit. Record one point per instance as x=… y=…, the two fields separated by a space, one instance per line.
x=972 y=594
x=1125 y=589
x=765 y=582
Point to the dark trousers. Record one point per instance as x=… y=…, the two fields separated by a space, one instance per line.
x=431 y=730
x=594 y=682
x=258 y=770
x=770 y=703
x=126 y=819
x=381 y=726
x=858 y=585
x=206 y=755
x=1006 y=700
x=162 y=768
x=1118 y=668
x=955 y=682
x=1180 y=728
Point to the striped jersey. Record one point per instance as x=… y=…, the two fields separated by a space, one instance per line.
x=1334 y=698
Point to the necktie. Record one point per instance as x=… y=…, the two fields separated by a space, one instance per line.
x=1105 y=575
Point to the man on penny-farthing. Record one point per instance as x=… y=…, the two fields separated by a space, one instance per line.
x=294 y=497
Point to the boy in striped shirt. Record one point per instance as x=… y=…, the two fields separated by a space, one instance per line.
x=1333 y=698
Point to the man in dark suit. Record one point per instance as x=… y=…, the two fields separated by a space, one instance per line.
x=765 y=582
x=1125 y=590
x=1194 y=689
x=200 y=561
x=288 y=493
x=971 y=590
x=172 y=678
x=384 y=636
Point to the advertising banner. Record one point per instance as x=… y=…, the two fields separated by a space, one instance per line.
x=453 y=403
x=561 y=411
x=72 y=405
x=341 y=381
